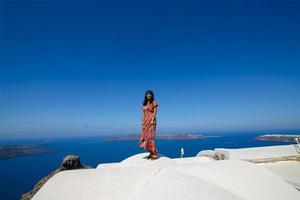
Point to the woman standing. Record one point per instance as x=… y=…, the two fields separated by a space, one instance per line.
x=148 y=133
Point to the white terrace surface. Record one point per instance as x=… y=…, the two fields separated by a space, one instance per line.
x=287 y=170
x=261 y=152
x=136 y=178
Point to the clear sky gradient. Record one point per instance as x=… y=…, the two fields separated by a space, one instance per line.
x=82 y=67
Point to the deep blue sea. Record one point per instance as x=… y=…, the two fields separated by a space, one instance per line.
x=20 y=174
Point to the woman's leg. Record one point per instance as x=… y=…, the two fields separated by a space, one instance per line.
x=149 y=156
x=154 y=156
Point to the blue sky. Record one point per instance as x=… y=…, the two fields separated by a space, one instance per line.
x=82 y=67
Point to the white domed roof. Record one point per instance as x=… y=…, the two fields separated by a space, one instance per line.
x=190 y=178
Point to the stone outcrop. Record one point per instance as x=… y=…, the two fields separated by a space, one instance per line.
x=212 y=154
x=69 y=162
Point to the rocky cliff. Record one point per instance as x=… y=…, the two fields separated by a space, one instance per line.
x=69 y=162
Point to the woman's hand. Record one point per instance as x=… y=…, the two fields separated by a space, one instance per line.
x=152 y=121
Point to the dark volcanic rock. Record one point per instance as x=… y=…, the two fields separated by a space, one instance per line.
x=278 y=138
x=177 y=136
x=69 y=162
x=12 y=151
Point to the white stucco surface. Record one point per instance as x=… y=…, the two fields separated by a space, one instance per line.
x=181 y=178
x=288 y=170
x=261 y=152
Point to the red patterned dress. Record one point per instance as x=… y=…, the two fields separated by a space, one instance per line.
x=148 y=133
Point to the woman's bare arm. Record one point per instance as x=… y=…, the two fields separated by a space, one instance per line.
x=143 y=114
x=154 y=114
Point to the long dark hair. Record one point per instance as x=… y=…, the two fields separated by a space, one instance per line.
x=146 y=99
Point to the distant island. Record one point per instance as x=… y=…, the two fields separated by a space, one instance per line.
x=12 y=151
x=278 y=137
x=180 y=136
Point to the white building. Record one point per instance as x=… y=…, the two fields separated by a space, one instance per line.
x=249 y=173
